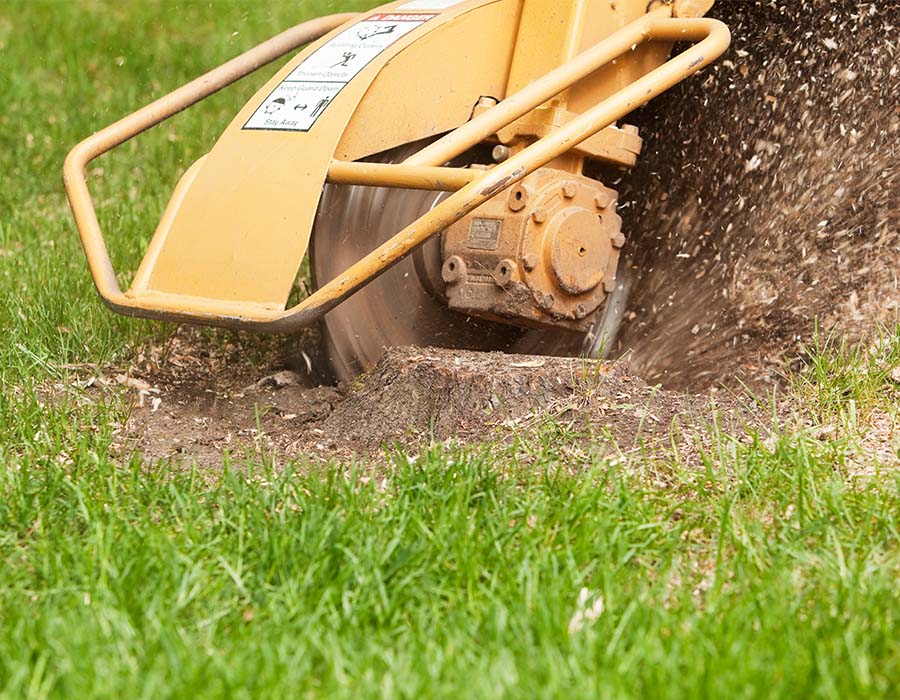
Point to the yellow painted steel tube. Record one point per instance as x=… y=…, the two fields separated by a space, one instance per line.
x=713 y=37
x=537 y=93
x=115 y=134
x=400 y=175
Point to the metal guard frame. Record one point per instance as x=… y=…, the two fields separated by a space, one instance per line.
x=422 y=171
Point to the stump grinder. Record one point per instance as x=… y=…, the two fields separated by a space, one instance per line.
x=429 y=156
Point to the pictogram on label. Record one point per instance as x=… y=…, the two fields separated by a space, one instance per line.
x=305 y=94
x=430 y=4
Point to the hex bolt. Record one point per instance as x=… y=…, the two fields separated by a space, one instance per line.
x=603 y=200
x=581 y=311
x=500 y=153
x=546 y=301
x=539 y=215
x=530 y=262
x=618 y=239
x=609 y=285
x=569 y=190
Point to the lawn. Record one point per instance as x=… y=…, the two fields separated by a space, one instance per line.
x=766 y=564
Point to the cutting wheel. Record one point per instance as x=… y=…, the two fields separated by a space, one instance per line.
x=404 y=306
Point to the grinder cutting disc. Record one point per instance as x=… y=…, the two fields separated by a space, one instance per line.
x=404 y=306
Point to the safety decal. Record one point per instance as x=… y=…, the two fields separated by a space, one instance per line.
x=305 y=94
x=430 y=4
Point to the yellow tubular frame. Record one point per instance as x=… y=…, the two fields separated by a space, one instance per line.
x=422 y=171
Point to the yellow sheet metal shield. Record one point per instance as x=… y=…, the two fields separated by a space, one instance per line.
x=239 y=226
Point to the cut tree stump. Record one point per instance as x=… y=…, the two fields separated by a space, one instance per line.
x=417 y=394
x=412 y=397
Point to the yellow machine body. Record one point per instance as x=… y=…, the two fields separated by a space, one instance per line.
x=241 y=228
x=547 y=80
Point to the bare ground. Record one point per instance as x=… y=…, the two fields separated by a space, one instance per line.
x=199 y=405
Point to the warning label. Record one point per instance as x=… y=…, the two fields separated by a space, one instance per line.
x=430 y=4
x=301 y=98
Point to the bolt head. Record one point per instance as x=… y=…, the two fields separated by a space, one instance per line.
x=602 y=200
x=530 y=262
x=581 y=311
x=546 y=301
x=617 y=239
x=569 y=190
x=500 y=153
x=539 y=215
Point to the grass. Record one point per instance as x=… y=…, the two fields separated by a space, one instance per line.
x=770 y=573
x=539 y=569
x=841 y=375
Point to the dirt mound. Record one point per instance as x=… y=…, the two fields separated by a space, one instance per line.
x=452 y=394
x=766 y=200
x=194 y=410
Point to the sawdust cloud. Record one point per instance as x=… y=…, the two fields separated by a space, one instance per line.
x=766 y=204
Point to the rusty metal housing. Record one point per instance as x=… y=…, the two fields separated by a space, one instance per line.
x=543 y=253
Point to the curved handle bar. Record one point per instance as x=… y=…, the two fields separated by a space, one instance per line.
x=158 y=111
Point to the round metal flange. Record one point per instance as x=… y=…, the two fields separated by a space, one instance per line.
x=568 y=249
x=579 y=250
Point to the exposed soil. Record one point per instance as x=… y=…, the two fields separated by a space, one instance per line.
x=200 y=405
